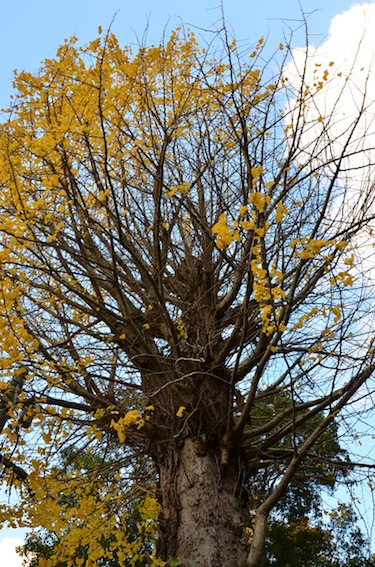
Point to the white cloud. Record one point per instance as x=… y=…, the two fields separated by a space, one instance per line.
x=340 y=73
x=8 y=555
x=340 y=76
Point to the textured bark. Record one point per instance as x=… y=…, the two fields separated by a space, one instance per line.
x=202 y=521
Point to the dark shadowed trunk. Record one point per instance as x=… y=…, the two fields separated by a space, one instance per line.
x=202 y=519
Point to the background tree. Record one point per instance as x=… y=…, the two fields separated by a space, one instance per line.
x=176 y=254
x=302 y=541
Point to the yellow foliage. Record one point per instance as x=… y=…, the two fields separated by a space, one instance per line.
x=280 y=212
x=256 y=172
x=182 y=189
x=133 y=417
x=225 y=234
x=181 y=332
x=247 y=225
x=306 y=317
x=86 y=514
x=180 y=411
x=259 y=200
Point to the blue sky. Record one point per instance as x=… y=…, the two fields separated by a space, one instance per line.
x=32 y=31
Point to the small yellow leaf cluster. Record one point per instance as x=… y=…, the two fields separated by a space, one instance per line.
x=349 y=261
x=259 y=201
x=336 y=310
x=328 y=334
x=133 y=417
x=248 y=225
x=181 y=332
x=255 y=173
x=180 y=411
x=183 y=188
x=225 y=234
x=281 y=211
x=149 y=508
x=306 y=317
x=344 y=277
x=312 y=247
x=268 y=293
x=102 y=196
x=340 y=245
x=271 y=320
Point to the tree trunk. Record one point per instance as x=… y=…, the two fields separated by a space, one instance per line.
x=202 y=522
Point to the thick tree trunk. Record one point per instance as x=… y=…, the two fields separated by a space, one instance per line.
x=202 y=522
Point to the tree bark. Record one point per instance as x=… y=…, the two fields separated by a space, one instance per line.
x=256 y=556
x=202 y=521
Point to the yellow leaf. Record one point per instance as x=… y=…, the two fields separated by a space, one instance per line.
x=259 y=201
x=280 y=212
x=180 y=411
x=247 y=225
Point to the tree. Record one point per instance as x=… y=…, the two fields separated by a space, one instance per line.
x=305 y=542
x=176 y=254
